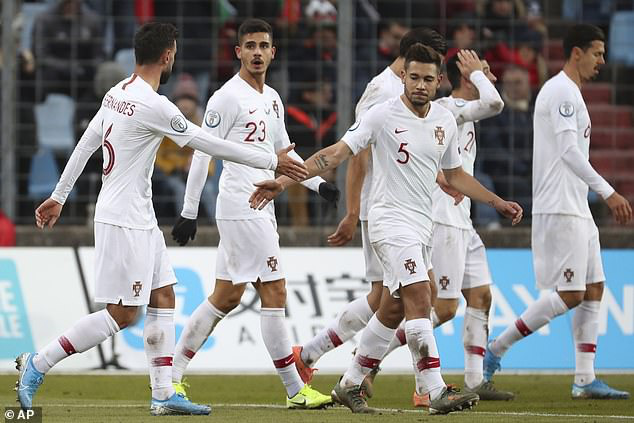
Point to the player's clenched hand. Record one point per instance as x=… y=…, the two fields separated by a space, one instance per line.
x=47 y=213
x=345 y=231
x=454 y=193
x=184 y=229
x=620 y=207
x=265 y=192
x=510 y=210
x=289 y=167
x=468 y=62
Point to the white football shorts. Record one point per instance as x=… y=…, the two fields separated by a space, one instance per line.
x=373 y=270
x=566 y=252
x=129 y=264
x=459 y=260
x=404 y=261
x=248 y=250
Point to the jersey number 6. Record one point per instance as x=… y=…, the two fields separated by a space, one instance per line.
x=107 y=146
x=254 y=127
x=401 y=149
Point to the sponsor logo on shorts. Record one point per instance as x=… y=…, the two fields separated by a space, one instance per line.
x=136 y=288
x=439 y=133
x=410 y=266
x=569 y=274
x=444 y=283
x=272 y=263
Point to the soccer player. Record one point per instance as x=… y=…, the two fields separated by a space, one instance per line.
x=355 y=315
x=412 y=138
x=131 y=264
x=248 y=112
x=458 y=254
x=565 y=239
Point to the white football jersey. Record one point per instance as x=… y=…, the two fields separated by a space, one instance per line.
x=132 y=121
x=382 y=87
x=559 y=107
x=241 y=114
x=466 y=113
x=408 y=151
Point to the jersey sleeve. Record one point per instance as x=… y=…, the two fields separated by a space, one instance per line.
x=489 y=104
x=451 y=157
x=363 y=132
x=371 y=96
x=164 y=118
x=221 y=113
x=563 y=109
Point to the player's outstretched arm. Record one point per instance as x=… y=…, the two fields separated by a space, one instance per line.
x=448 y=189
x=469 y=186
x=234 y=152
x=355 y=174
x=320 y=162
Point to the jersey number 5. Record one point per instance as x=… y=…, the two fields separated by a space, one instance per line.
x=107 y=146
x=401 y=149
x=254 y=127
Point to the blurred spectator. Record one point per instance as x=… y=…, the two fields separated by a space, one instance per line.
x=318 y=11
x=526 y=53
x=500 y=17
x=172 y=162
x=507 y=140
x=462 y=33
x=311 y=124
x=317 y=53
x=67 y=44
x=390 y=34
x=7 y=231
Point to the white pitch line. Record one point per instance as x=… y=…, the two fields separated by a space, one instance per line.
x=388 y=410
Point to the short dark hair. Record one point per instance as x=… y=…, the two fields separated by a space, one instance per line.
x=423 y=54
x=453 y=72
x=253 y=25
x=151 y=41
x=582 y=36
x=423 y=35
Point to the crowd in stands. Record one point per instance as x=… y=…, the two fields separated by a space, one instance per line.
x=79 y=48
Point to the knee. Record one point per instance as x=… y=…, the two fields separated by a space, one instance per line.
x=444 y=313
x=123 y=315
x=225 y=303
x=374 y=297
x=273 y=294
x=594 y=292
x=571 y=298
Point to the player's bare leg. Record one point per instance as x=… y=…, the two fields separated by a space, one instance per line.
x=275 y=337
x=225 y=297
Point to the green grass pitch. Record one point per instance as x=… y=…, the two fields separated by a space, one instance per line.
x=260 y=399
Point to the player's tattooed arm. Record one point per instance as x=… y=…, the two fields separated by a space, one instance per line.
x=321 y=161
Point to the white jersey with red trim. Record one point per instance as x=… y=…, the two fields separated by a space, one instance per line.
x=241 y=114
x=382 y=87
x=408 y=151
x=559 y=107
x=132 y=121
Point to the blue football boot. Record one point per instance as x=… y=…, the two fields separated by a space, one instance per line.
x=29 y=379
x=177 y=404
x=598 y=389
x=491 y=364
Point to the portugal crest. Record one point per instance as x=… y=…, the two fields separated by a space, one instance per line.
x=136 y=288
x=439 y=133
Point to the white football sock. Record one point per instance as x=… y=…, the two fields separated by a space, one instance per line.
x=542 y=311
x=398 y=340
x=200 y=325
x=585 y=330
x=89 y=331
x=372 y=347
x=354 y=317
x=276 y=339
x=475 y=331
x=420 y=339
x=158 y=340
